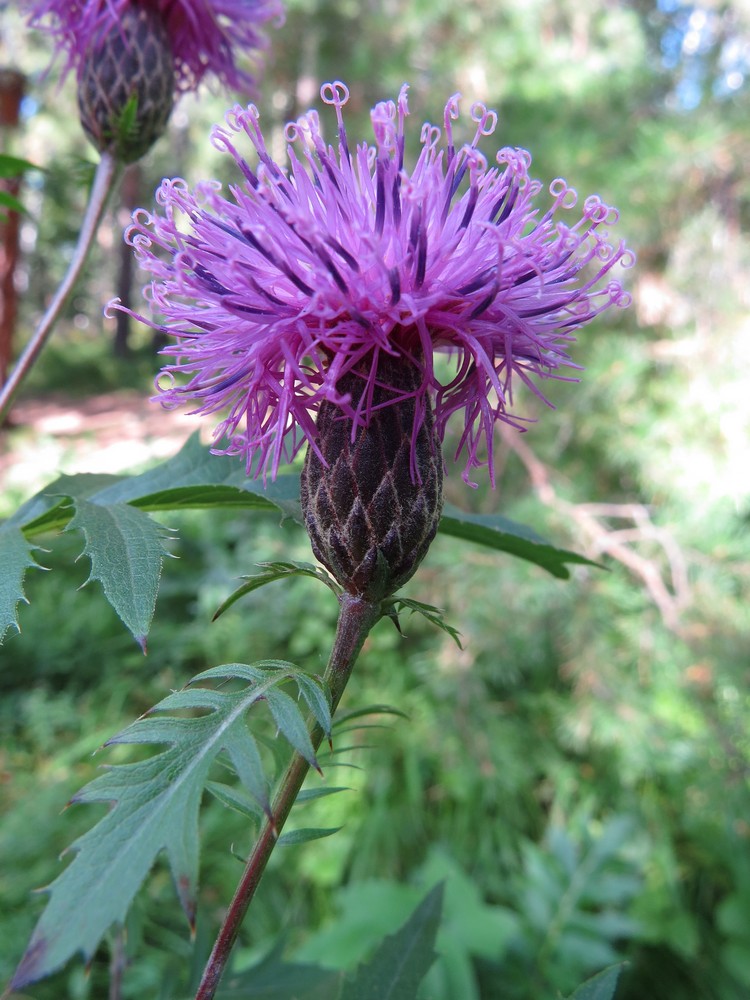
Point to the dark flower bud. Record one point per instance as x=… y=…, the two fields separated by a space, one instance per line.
x=126 y=84
x=372 y=507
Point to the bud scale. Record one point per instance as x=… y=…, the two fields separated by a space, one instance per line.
x=373 y=505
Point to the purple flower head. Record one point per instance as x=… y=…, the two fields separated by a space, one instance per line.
x=206 y=36
x=320 y=269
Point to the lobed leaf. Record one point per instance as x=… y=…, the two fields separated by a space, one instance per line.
x=287 y=717
x=311 y=687
x=154 y=808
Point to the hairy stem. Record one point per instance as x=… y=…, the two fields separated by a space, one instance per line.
x=356 y=618
x=104 y=181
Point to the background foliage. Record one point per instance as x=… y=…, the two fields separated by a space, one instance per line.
x=577 y=773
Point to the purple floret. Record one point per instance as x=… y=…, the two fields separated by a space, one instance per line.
x=305 y=272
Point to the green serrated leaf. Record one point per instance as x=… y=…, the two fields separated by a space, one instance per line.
x=601 y=986
x=403 y=959
x=272 y=571
x=504 y=535
x=394 y=605
x=126 y=549
x=155 y=805
x=306 y=834
x=15 y=558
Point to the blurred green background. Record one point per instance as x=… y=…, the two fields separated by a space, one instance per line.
x=578 y=772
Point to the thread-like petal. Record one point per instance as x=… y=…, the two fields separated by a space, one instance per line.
x=306 y=272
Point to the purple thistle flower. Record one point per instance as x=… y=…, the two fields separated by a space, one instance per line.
x=311 y=274
x=206 y=36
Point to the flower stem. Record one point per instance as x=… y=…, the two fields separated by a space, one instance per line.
x=104 y=180
x=356 y=618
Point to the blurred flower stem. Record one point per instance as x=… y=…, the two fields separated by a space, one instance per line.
x=105 y=177
x=356 y=618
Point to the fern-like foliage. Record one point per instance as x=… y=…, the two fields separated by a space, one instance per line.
x=155 y=803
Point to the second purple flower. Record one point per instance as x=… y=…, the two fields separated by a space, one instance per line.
x=206 y=37
x=132 y=57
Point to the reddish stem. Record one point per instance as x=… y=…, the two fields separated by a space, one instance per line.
x=356 y=618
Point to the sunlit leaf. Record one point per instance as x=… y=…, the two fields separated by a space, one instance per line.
x=194 y=479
